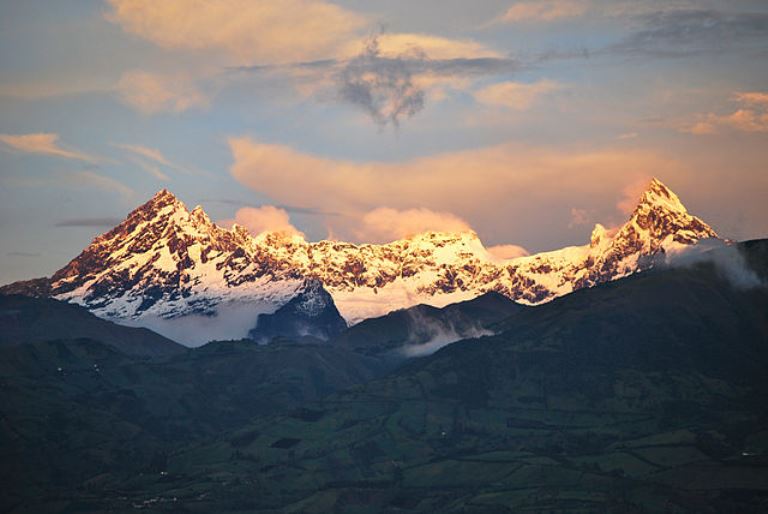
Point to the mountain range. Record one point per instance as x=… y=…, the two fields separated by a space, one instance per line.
x=640 y=395
x=177 y=272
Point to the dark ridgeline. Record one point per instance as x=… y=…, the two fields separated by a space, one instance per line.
x=646 y=394
x=26 y=319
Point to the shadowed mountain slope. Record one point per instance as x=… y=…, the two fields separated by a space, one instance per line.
x=645 y=395
x=425 y=328
x=25 y=319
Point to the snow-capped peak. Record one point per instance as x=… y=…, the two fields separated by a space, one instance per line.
x=657 y=195
x=164 y=261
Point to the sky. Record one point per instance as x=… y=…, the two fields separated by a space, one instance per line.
x=526 y=121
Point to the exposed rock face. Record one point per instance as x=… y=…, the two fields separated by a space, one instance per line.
x=165 y=261
x=310 y=313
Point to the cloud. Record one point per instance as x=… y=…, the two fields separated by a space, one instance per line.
x=384 y=224
x=392 y=75
x=266 y=218
x=507 y=251
x=89 y=222
x=45 y=144
x=751 y=117
x=151 y=93
x=752 y=97
x=681 y=32
x=291 y=209
x=152 y=169
x=509 y=181
x=543 y=11
x=147 y=158
x=89 y=178
x=147 y=152
x=246 y=31
x=382 y=86
x=727 y=260
x=515 y=95
x=630 y=194
x=394 y=45
x=579 y=217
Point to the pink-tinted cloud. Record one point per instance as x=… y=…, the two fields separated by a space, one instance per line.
x=752 y=116
x=515 y=95
x=45 y=144
x=266 y=218
x=247 y=31
x=543 y=11
x=151 y=93
x=579 y=217
x=630 y=194
x=501 y=186
x=384 y=224
x=506 y=252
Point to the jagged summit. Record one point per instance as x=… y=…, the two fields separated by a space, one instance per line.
x=659 y=215
x=161 y=199
x=660 y=196
x=164 y=262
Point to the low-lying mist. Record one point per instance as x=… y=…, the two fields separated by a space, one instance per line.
x=726 y=258
x=231 y=321
x=429 y=335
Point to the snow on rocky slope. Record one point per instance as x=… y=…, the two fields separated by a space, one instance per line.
x=165 y=262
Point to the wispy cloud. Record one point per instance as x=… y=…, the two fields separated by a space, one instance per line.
x=293 y=209
x=147 y=152
x=92 y=179
x=579 y=217
x=149 y=159
x=392 y=75
x=681 y=32
x=751 y=116
x=44 y=144
x=543 y=11
x=151 y=93
x=89 y=222
x=515 y=95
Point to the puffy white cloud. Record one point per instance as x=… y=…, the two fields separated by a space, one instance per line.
x=506 y=252
x=385 y=224
x=150 y=93
x=45 y=144
x=266 y=218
